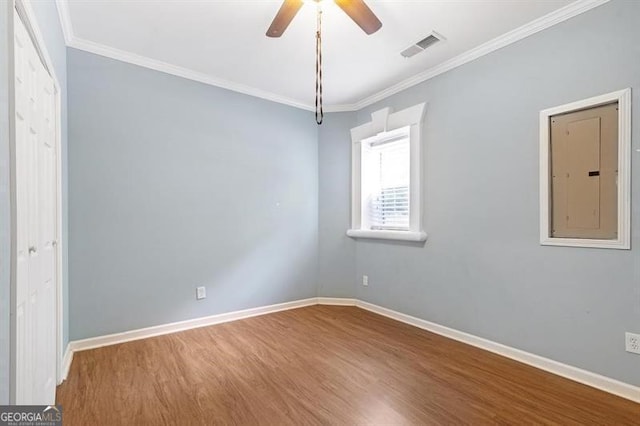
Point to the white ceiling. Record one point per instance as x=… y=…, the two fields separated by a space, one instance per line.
x=224 y=42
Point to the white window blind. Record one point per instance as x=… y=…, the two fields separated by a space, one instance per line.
x=385 y=181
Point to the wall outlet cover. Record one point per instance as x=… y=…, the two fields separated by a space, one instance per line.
x=632 y=342
x=365 y=280
x=201 y=293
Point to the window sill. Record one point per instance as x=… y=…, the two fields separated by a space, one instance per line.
x=388 y=235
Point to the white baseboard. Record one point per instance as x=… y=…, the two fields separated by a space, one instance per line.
x=585 y=377
x=66 y=364
x=158 y=330
x=588 y=378
x=337 y=301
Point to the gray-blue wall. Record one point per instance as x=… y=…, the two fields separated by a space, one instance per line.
x=482 y=269
x=175 y=184
x=336 y=254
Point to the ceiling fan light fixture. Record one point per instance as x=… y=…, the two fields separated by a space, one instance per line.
x=357 y=10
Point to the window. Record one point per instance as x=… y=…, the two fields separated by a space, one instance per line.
x=385 y=181
x=387 y=174
x=584 y=173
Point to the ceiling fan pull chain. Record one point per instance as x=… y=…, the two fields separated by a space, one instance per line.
x=319 y=111
x=357 y=10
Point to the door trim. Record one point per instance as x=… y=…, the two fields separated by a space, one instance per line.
x=25 y=12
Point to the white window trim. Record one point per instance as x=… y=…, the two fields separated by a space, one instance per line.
x=623 y=97
x=384 y=121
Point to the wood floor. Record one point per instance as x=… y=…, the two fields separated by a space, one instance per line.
x=321 y=365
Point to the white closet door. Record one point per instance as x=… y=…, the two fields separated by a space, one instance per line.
x=36 y=220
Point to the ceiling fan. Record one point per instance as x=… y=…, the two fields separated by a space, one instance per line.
x=357 y=10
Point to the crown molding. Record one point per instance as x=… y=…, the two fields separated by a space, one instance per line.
x=560 y=15
x=167 y=68
x=143 y=61
x=65 y=20
x=340 y=108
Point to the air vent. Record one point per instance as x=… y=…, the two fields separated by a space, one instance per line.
x=428 y=41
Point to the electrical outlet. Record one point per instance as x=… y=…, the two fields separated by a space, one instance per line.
x=365 y=280
x=201 y=293
x=632 y=342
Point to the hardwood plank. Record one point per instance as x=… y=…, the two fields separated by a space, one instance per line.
x=321 y=365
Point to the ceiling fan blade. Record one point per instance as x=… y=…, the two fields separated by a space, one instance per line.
x=361 y=15
x=284 y=17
